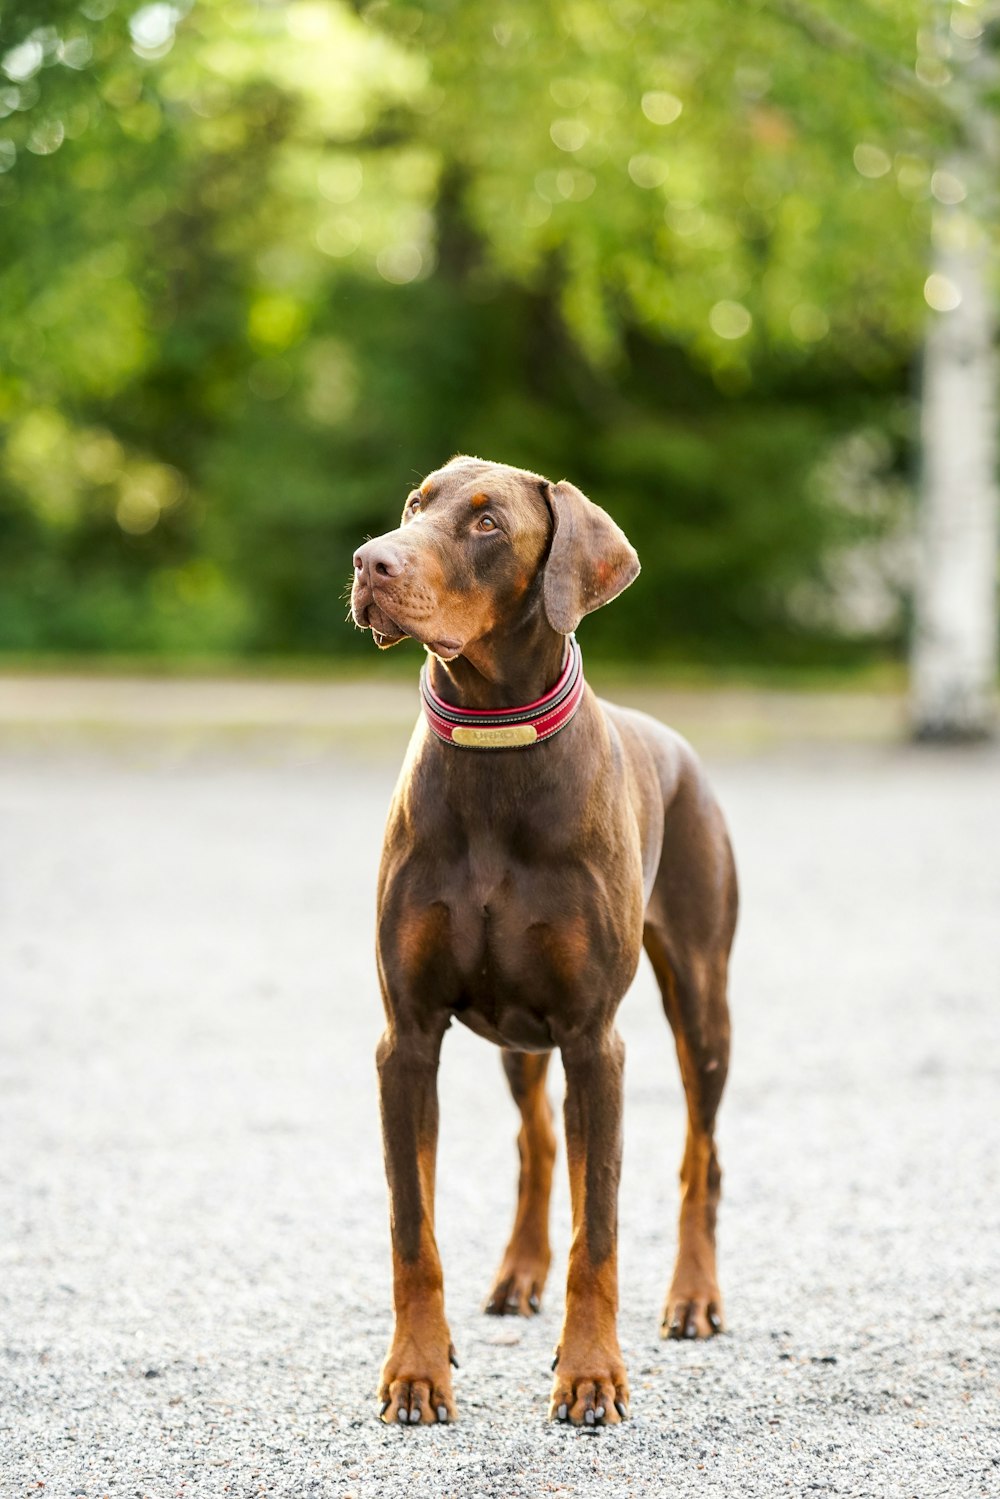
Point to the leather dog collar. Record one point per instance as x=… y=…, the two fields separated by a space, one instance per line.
x=508 y=728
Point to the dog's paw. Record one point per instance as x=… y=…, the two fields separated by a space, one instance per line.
x=416 y=1402
x=591 y=1392
x=692 y=1315
x=517 y=1290
x=415 y=1388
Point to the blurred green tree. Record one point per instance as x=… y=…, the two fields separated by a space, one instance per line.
x=262 y=266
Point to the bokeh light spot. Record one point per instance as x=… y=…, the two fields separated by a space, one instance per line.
x=941 y=293
x=660 y=107
x=968 y=27
x=685 y=218
x=338 y=237
x=99 y=455
x=152 y=29
x=75 y=52
x=872 y=161
x=24 y=60
x=569 y=135
x=730 y=320
x=137 y=511
x=932 y=71
x=648 y=171
x=399 y=264
x=46 y=137
x=947 y=188
x=575 y=185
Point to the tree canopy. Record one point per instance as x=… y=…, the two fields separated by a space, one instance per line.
x=263 y=265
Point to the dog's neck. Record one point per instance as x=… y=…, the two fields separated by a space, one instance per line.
x=502 y=671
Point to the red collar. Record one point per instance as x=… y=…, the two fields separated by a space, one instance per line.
x=508 y=728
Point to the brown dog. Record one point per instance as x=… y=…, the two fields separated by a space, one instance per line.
x=529 y=855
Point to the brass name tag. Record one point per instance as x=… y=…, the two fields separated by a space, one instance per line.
x=499 y=738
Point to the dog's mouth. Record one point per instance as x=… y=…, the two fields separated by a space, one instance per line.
x=385 y=631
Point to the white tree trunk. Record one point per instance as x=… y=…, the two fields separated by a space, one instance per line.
x=956 y=626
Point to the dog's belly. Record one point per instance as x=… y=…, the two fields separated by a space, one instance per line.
x=513 y=1026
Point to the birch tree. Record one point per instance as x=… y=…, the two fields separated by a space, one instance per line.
x=955 y=633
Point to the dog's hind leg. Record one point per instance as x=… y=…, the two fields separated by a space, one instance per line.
x=700 y=1023
x=520 y=1280
x=688 y=933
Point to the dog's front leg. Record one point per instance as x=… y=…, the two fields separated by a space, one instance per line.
x=591 y=1385
x=416 y=1376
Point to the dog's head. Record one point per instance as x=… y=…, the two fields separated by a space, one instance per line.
x=479 y=548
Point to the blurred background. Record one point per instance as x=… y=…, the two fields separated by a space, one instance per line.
x=264 y=265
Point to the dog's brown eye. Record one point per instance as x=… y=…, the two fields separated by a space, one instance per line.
x=487 y=523
x=414 y=506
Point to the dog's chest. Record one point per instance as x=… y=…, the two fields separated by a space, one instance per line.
x=519 y=914
x=518 y=943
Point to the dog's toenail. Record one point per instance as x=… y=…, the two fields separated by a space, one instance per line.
x=562 y=1413
x=402 y=1417
x=599 y=1413
x=415 y=1417
x=442 y=1413
x=621 y=1409
x=588 y=1416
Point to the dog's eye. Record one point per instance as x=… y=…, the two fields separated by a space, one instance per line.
x=487 y=523
x=414 y=506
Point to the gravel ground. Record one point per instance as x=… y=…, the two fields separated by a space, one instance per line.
x=194 y=1296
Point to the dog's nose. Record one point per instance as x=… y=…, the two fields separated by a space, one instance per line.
x=380 y=559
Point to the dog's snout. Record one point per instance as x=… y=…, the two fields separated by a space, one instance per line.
x=380 y=559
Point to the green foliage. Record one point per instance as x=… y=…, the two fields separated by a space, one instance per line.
x=262 y=266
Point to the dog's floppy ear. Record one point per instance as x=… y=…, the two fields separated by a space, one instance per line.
x=590 y=561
